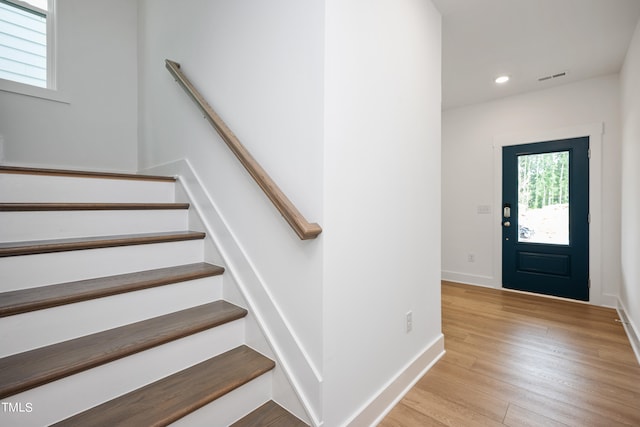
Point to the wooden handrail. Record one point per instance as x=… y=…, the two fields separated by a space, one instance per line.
x=303 y=228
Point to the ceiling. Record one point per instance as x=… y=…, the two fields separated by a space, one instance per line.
x=527 y=40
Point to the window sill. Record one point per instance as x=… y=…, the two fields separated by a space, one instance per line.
x=34 y=91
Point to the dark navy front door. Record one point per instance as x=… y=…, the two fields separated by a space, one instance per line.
x=545 y=224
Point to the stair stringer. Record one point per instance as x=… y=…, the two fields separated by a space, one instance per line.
x=297 y=383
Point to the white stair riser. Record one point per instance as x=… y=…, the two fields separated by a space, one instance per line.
x=232 y=406
x=23 y=226
x=43 y=327
x=58 y=400
x=55 y=189
x=63 y=398
x=27 y=271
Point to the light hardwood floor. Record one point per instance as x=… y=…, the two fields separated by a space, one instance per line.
x=521 y=360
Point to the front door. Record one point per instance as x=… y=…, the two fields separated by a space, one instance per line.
x=545 y=224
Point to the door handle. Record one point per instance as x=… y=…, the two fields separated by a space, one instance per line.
x=506 y=210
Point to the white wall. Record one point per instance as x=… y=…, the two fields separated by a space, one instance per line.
x=630 y=90
x=468 y=137
x=342 y=107
x=381 y=198
x=97 y=73
x=260 y=66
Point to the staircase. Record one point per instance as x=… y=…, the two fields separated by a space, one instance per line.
x=109 y=315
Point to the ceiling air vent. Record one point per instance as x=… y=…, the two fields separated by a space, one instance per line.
x=552 y=76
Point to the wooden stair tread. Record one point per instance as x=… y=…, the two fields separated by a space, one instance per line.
x=72 y=244
x=175 y=396
x=36 y=367
x=83 y=174
x=25 y=300
x=34 y=207
x=270 y=415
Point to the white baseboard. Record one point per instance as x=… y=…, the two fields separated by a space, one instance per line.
x=469 y=279
x=604 y=300
x=383 y=402
x=630 y=329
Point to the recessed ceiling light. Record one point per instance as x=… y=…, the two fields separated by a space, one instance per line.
x=502 y=79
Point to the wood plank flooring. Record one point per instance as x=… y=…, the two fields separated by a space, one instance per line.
x=521 y=360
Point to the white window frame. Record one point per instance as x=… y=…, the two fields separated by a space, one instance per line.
x=51 y=92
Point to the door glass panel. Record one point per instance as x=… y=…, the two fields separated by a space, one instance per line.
x=543 y=198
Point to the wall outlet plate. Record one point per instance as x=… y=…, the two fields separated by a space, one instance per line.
x=409 y=321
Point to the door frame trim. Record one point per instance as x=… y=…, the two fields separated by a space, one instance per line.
x=595 y=132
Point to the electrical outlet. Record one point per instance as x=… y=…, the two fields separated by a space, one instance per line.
x=409 y=320
x=471 y=257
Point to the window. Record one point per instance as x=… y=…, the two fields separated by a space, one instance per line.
x=543 y=198
x=26 y=42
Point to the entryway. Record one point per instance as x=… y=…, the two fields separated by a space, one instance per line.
x=545 y=217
